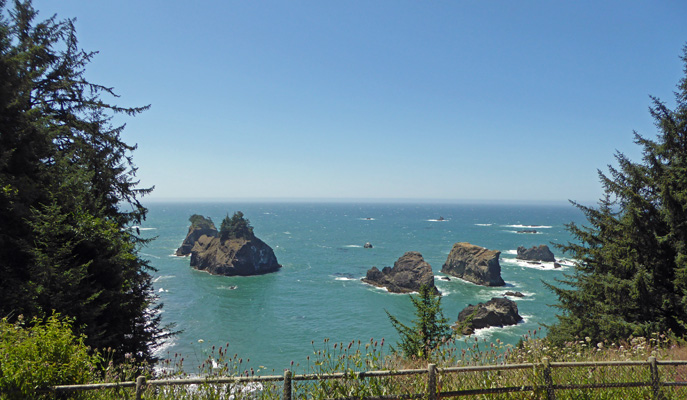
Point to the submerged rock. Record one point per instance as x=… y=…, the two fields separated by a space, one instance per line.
x=409 y=272
x=536 y=253
x=474 y=264
x=368 y=245
x=514 y=294
x=498 y=311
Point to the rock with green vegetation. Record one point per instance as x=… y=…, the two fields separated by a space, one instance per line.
x=498 y=311
x=474 y=264
x=235 y=250
x=200 y=226
x=408 y=274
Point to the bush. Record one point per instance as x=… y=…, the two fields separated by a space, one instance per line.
x=42 y=354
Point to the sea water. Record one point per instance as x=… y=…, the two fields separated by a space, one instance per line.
x=272 y=319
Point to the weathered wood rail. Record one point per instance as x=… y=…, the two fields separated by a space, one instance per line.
x=548 y=387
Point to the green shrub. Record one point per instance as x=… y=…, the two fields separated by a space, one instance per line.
x=41 y=354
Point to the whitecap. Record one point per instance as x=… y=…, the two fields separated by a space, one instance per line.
x=436 y=220
x=514 y=252
x=287 y=233
x=149 y=255
x=539 y=265
x=525 y=233
x=343 y=278
x=231 y=287
x=352 y=245
x=485 y=333
x=161 y=277
x=484 y=224
x=367 y=219
x=527 y=226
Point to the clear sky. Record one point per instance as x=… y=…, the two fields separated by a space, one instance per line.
x=434 y=100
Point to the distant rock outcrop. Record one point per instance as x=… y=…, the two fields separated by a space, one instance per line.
x=200 y=226
x=536 y=253
x=496 y=312
x=407 y=275
x=234 y=250
x=474 y=264
x=368 y=245
x=527 y=231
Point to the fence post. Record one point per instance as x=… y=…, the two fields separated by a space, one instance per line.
x=432 y=382
x=550 y=391
x=287 y=385
x=140 y=386
x=655 y=383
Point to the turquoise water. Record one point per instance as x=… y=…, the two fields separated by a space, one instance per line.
x=272 y=319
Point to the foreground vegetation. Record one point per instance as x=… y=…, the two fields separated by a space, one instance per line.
x=47 y=354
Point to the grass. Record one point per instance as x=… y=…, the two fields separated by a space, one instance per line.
x=359 y=356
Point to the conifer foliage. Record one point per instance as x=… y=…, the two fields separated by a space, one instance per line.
x=429 y=330
x=631 y=274
x=68 y=194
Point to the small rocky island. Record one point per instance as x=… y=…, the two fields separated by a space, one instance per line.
x=233 y=250
x=496 y=312
x=407 y=275
x=536 y=253
x=474 y=264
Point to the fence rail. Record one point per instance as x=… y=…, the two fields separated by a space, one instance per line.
x=547 y=387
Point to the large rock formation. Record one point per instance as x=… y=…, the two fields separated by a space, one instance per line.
x=407 y=275
x=540 y=253
x=235 y=250
x=200 y=226
x=474 y=264
x=496 y=312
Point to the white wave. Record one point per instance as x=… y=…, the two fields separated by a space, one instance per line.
x=287 y=233
x=486 y=333
x=436 y=220
x=162 y=277
x=514 y=252
x=540 y=265
x=231 y=287
x=164 y=346
x=149 y=255
x=484 y=224
x=353 y=245
x=527 y=226
x=367 y=219
x=525 y=233
x=161 y=290
x=136 y=227
x=343 y=278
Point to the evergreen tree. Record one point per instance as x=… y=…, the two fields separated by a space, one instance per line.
x=236 y=227
x=68 y=193
x=428 y=331
x=631 y=272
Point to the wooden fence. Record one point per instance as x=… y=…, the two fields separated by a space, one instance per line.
x=548 y=387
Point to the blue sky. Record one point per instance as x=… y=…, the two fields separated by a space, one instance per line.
x=502 y=101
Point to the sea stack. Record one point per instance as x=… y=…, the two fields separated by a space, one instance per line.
x=474 y=264
x=200 y=226
x=234 y=250
x=496 y=312
x=409 y=272
x=534 y=253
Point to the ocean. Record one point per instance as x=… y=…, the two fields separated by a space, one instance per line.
x=273 y=319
